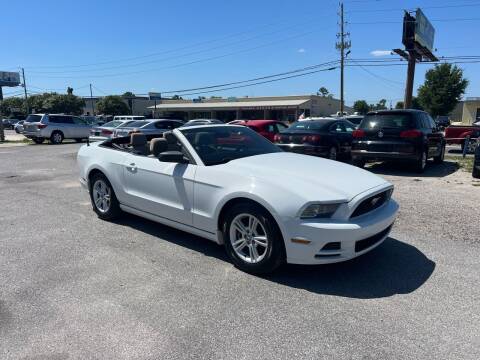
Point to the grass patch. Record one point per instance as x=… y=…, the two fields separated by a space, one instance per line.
x=23 y=141
x=465 y=164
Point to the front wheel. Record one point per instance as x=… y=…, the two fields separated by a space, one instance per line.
x=252 y=239
x=104 y=201
x=332 y=153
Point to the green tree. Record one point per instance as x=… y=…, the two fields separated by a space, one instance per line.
x=443 y=87
x=361 y=106
x=323 y=91
x=8 y=106
x=415 y=104
x=176 y=97
x=112 y=105
x=69 y=90
x=68 y=104
x=36 y=102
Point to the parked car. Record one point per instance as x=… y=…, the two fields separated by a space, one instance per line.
x=476 y=162
x=329 y=137
x=18 y=127
x=55 y=127
x=229 y=184
x=266 y=128
x=9 y=123
x=148 y=127
x=196 y=122
x=459 y=134
x=407 y=135
x=104 y=132
x=442 y=121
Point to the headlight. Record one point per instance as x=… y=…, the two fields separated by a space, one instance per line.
x=321 y=211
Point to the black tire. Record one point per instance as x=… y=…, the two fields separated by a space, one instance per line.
x=38 y=140
x=78 y=140
x=273 y=255
x=332 y=153
x=56 y=137
x=476 y=173
x=113 y=210
x=359 y=163
x=421 y=163
x=439 y=159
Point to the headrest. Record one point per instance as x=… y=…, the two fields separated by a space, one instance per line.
x=157 y=146
x=170 y=137
x=204 y=138
x=138 y=139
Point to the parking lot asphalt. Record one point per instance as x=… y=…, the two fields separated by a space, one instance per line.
x=75 y=287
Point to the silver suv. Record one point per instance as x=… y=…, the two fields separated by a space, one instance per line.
x=55 y=127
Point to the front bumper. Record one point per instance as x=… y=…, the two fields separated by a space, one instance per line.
x=372 y=228
x=305 y=149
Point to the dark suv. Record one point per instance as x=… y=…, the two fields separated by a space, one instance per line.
x=409 y=135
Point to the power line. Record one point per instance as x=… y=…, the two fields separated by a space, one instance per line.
x=423 y=7
x=182 y=64
x=175 y=57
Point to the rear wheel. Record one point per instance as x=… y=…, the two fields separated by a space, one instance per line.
x=332 y=153
x=56 y=137
x=103 y=198
x=421 y=163
x=38 y=140
x=252 y=239
x=439 y=159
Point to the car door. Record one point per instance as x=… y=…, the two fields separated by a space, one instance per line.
x=159 y=188
x=343 y=139
x=62 y=123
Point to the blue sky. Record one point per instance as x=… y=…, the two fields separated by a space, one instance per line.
x=148 y=45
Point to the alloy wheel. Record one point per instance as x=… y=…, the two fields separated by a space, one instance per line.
x=332 y=155
x=248 y=238
x=101 y=196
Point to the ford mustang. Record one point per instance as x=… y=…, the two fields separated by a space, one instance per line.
x=230 y=185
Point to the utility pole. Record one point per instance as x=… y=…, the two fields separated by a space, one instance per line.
x=91 y=100
x=407 y=103
x=342 y=45
x=25 y=91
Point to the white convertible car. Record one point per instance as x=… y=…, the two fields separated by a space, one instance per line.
x=228 y=184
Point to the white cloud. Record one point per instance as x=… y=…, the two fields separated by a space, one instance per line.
x=302 y=50
x=380 y=52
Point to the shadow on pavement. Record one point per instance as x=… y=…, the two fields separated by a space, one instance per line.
x=405 y=169
x=392 y=268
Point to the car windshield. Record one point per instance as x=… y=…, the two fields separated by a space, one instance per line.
x=33 y=118
x=308 y=125
x=381 y=121
x=221 y=144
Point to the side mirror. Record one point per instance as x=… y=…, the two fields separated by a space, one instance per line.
x=173 y=157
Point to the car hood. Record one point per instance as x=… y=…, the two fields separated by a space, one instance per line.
x=307 y=176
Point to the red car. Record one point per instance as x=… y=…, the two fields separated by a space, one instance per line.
x=266 y=128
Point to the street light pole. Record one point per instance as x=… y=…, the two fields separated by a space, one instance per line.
x=25 y=92
x=91 y=100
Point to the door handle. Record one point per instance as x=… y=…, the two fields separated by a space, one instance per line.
x=132 y=167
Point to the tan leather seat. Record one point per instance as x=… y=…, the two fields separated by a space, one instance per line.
x=157 y=146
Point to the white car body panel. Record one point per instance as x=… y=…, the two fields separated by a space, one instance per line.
x=190 y=197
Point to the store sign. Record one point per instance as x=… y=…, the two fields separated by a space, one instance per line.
x=424 y=31
x=9 y=78
x=154 y=96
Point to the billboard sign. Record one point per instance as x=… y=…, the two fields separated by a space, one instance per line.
x=9 y=78
x=154 y=96
x=424 y=31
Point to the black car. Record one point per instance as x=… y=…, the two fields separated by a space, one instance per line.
x=409 y=135
x=476 y=162
x=328 y=137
